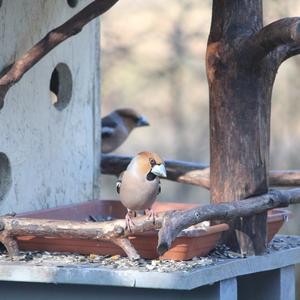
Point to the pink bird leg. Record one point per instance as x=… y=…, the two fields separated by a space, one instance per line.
x=150 y=213
x=128 y=219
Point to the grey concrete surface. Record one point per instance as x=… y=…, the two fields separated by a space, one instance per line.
x=274 y=285
x=53 y=151
x=268 y=277
x=181 y=280
x=29 y=291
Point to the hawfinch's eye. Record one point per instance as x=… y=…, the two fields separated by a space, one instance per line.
x=152 y=162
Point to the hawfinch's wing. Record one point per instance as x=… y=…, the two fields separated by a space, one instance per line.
x=108 y=126
x=107 y=132
x=159 y=187
x=119 y=182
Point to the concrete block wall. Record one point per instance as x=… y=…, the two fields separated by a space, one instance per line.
x=49 y=152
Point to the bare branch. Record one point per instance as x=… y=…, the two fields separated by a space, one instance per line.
x=9 y=243
x=128 y=248
x=193 y=173
x=113 y=231
x=292 y=51
x=74 y=25
x=285 y=178
x=175 y=222
x=283 y=32
x=288 y=51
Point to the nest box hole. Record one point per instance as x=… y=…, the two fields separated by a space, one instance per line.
x=72 y=3
x=61 y=86
x=5 y=175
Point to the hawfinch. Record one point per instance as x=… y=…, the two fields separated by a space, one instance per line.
x=117 y=125
x=139 y=185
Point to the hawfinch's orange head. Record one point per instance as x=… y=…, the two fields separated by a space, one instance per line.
x=149 y=164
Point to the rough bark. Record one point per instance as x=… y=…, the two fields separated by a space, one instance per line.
x=283 y=32
x=13 y=73
x=285 y=178
x=170 y=223
x=242 y=61
x=193 y=173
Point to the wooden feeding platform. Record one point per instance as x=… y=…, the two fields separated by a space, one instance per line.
x=66 y=229
x=50 y=152
x=190 y=243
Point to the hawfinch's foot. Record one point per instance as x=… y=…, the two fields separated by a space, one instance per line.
x=150 y=214
x=128 y=219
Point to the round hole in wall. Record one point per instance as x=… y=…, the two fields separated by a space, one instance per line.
x=5 y=175
x=61 y=86
x=72 y=3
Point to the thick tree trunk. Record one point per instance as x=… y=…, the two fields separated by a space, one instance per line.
x=242 y=61
x=240 y=102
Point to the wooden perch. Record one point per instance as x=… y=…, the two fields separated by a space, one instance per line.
x=193 y=173
x=283 y=32
x=114 y=231
x=170 y=223
x=175 y=222
x=289 y=51
x=286 y=178
x=13 y=73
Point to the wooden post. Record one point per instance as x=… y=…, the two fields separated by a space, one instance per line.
x=242 y=61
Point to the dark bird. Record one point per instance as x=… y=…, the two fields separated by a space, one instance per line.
x=117 y=126
x=139 y=185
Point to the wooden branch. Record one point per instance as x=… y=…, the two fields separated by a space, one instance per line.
x=175 y=222
x=113 y=231
x=287 y=178
x=170 y=223
x=9 y=243
x=128 y=248
x=114 y=164
x=188 y=172
x=279 y=33
x=292 y=51
x=193 y=173
x=288 y=51
x=12 y=74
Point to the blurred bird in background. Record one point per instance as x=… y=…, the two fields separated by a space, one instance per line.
x=139 y=185
x=117 y=126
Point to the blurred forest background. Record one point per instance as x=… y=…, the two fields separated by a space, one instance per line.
x=153 y=60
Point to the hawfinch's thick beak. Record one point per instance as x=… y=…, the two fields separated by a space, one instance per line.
x=142 y=121
x=159 y=170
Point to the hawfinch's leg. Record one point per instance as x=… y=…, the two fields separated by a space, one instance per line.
x=128 y=218
x=150 y=213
